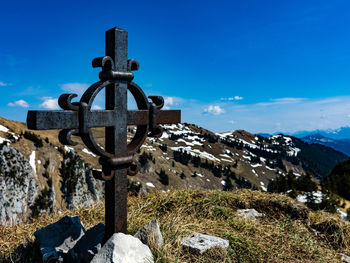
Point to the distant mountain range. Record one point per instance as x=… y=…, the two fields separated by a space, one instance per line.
x=336 y=134
x=338 y=139
x=342 y=145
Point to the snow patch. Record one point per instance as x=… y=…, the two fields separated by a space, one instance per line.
x=316 y=195
x=246 y=157
x=88 y=152
x=150 y=184
x=3 y=128
x=32 y=161
x=68 y=149
x=148 y=147
x=3 y=140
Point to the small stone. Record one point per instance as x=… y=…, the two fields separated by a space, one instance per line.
x=58 y=238
x=345 y=258
x=249 y=213
x=123 y=248
x=199 y=243
x=150 y=234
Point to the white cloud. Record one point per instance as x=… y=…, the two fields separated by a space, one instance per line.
x=232 y=122
x=49 y=103
x=96 y=107
x=18 y=103
x=75 y=87
x=232 y=98
x=214 y=109
x=3 y=84
x=171 y=101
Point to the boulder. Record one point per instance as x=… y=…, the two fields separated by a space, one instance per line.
x=199 y=243
x=123 y=248
x=58 y=238
x=87 y=246
x=150 y=234
x=249 y=213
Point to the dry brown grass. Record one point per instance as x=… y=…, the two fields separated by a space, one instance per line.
x=285 y=234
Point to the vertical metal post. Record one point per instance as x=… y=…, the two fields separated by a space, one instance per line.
x=116 y=136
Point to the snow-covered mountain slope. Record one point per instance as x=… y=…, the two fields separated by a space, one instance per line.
x=185 y=157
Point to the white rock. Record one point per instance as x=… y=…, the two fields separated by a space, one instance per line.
x=121 y=248
x=199 y=243
x=249 y=213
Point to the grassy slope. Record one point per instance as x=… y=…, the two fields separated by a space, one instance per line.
x=285 y=234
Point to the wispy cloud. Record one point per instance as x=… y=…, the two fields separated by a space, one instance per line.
x=49 y=103
x=3 y=84
x=279 y=101
x=232 y=98
x=214 y=109
x=18 y=103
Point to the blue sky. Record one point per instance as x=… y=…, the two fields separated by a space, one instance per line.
x=262 y=66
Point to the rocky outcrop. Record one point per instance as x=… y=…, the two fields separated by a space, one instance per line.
x=18 y=188
x=79 y=188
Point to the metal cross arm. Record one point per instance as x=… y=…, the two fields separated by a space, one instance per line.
x=78 y=119
x=48 y=120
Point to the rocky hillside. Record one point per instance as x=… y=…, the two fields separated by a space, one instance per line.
x=57 y=177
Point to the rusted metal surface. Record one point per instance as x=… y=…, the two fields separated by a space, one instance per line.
x=77 y=118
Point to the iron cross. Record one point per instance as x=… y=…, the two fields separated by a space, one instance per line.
x=77 y=118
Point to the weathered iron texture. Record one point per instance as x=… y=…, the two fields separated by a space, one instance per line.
x=77 y=118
